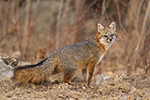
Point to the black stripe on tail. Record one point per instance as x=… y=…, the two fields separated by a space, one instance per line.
x=30 y=66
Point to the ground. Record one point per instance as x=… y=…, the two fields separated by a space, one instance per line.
x=103 y=87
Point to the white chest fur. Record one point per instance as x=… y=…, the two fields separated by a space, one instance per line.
x=100 y=58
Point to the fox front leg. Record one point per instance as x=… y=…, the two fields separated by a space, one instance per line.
x=90 y=69
x=84 y=73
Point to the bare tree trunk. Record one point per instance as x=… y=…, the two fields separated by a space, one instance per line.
x=27 y=27
x=58 y=27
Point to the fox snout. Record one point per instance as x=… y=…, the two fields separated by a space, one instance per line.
x=109 y=40
x=112 y=38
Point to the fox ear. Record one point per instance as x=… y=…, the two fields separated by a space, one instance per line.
x=113 y=26
x=100 y=27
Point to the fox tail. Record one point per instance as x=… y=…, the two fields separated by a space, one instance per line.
x=35 y=74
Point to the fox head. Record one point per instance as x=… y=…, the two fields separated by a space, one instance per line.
x=106 y=35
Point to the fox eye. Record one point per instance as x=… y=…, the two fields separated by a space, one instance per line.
x=105 y=35
x=112 y=35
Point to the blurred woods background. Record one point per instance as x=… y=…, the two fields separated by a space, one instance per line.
x=32 y=29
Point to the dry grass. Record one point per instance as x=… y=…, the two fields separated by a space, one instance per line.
x=116 y=88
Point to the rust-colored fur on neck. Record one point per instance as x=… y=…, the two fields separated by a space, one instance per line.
x=102 y=46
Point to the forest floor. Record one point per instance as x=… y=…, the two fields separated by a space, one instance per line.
x=103 y=87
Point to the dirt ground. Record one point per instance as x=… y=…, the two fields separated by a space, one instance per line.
x=103 y=87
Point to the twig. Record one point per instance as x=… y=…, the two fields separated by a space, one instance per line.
x=119 y=15
x=138 y=15
x=26 y=29
x=58 y=23
x=103 y=7
x=80 y=7
x=17 y=32
x=3 y=37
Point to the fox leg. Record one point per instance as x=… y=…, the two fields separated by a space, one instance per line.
x=84 y=73
x=90 y=69
x=68 y=75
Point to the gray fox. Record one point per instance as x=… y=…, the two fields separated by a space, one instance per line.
x=67 y=60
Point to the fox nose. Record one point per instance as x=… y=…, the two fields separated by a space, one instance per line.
x=109 y=40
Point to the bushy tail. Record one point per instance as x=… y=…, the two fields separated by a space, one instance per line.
x=31 y=74
x=6 y=71
x=36 y=73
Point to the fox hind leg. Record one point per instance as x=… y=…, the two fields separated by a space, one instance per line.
x=68 y=75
